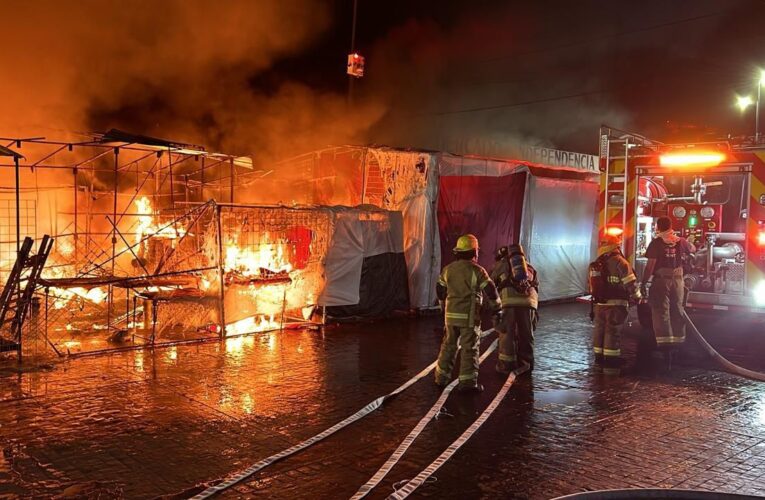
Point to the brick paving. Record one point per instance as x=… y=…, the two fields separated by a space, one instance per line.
x=146 y=425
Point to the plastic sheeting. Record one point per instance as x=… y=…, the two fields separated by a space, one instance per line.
x=382 y=289
x=357 y=234
x=489 y=207
x=559 y=217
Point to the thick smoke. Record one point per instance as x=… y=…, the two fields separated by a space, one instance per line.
x=468 y=78
x=551 y=72
x=174 y=69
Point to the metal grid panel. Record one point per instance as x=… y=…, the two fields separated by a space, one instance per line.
x=28 y=227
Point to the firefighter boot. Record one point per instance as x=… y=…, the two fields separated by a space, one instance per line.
x=505 y=367
x=441 y=383
x=473 y=387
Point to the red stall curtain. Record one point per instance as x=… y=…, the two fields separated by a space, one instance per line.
x=488 y=207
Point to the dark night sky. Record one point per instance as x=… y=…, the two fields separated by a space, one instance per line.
x=670 y=69
x=268 y=78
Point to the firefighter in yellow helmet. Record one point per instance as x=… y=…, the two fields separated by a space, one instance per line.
x=613 y=286
x=518 y=288
x=460 y=291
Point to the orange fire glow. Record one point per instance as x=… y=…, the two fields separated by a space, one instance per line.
x=252 y=324
x=270 y=256
x=147 y=225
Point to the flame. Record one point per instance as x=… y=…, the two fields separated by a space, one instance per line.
x=62 y=296
x=252 y=324
x=147 y=226
x=204 y=283
x=65 y=247
x=249 y=261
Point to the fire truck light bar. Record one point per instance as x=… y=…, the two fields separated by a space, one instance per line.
x=698 y=159
x=614 y=231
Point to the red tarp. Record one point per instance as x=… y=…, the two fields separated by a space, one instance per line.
x=488 y=207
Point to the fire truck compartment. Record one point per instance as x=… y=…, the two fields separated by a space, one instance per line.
x=710 y=209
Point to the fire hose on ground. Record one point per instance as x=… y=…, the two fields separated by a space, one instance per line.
x=673 y=494
x=724 y=363
x=238 y=477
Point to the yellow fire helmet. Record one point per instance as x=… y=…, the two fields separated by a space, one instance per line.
x=466 y=242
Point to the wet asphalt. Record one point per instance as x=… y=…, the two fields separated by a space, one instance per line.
x=164 y=423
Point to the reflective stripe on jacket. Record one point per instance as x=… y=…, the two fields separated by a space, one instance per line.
x=618 y=281
x=464 y=281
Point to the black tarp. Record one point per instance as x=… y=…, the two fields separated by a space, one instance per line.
x=383 y=289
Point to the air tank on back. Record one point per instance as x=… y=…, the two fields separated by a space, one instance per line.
x=518 y=266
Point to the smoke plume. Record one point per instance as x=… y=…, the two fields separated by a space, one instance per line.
x=174 y=69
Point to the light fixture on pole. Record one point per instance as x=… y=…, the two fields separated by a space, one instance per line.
x=743 y=102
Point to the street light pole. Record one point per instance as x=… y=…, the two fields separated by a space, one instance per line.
x=353 y=49
x=757 y=112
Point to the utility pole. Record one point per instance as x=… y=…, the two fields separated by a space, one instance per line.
x=351 y=78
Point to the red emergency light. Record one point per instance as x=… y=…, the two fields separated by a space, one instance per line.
x=761 y=238
x=691 y=159
x=614 y=231
x=355 y=65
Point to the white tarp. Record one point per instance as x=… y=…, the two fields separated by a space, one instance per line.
x=411 y=182
x=557 y=220
x=357 y=233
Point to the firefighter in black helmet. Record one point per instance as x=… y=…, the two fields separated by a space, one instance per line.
x=518 y=288
x=613 y=286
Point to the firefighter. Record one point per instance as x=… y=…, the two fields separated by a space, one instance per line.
x=613 y=285
x=518 y=288
x=460 y=290
x=665 y=270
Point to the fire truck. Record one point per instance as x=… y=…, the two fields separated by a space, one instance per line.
x=714 y=192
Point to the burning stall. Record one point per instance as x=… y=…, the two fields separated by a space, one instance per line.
x=152 y=245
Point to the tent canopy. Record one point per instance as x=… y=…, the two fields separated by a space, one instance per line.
x=9 y=152
x=552 y=215
x=365 y=266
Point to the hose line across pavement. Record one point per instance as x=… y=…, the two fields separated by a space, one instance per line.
x=724 y=363
x=428 y=471
x=363 y=412
x=415 y=432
